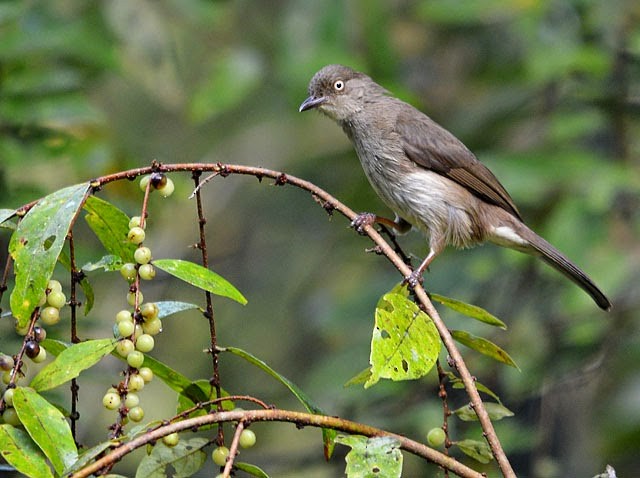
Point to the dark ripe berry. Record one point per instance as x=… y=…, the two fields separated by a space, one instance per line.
x=39 y=333
x=6 y=362
x=158 y=180
x=32 y=349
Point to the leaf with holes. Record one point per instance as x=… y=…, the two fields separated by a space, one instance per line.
x=405 y=343
x=378 y=456
x=36 y=245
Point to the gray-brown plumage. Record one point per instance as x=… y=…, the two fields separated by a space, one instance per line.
x=427 y=176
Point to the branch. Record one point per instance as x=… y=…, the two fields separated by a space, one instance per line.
x=299 y=418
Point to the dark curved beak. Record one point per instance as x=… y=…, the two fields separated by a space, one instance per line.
x=311 y=102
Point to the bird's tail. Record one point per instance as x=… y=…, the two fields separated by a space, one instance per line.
x=562 y=264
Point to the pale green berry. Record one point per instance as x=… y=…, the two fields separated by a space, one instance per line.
x=436 y=437
x=136 y=414
x=135 y=359
x=128 y=271
x=136 y=383
x=54 y=286
x=247 y=438
x=124 y=316
x=111 y=400
x=8 y=396
x=125 y=347
x=146 y=373
x=6 y=377
x=131 y=298
x=22 y=331
x=126 y=328
x=145 y=343
x=50 y=315
x=147 y=272
x=56 y=299
x=142 y=255
x=136 y=235
x=144 y=181
x=138 y=331
x=171 y=440
x=220 y=455
x=10 y=417
x=131 y=400
x=152 y=327
x=134 y=222
x=149 y=310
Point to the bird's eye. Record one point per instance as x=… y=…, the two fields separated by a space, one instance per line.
x=338 y=85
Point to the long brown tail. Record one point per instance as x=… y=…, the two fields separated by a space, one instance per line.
x=562 y=264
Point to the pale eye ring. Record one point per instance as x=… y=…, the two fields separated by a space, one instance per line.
x=338 y=85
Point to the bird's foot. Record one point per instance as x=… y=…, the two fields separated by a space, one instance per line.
x=362 y=220
x=414 y=278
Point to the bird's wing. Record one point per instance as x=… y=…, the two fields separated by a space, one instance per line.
x=431 y=146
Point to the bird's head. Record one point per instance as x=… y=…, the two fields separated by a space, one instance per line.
x=338 y=91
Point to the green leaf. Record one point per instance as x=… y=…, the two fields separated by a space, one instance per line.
x=19 y=450
x=483 y=346
x=200 y=277
x=6 y=214
x=172 y=378
x=70 y=362
x=88 y=456
x=478 y=450
x=197 y=392
x=185 y=459
x=111 y=226
x=361 y=378
x=109 y=263
x=496 y=411
x=47 y=426
x=54 y=347
x=459 y=385
x=327 y=434
x=469 y=310
x=36 y=245
x=170 y=307
x=370 y=457
x=405 y=342
x=253 y=470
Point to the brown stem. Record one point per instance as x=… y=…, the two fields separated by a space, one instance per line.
x=299 y=418
x=233 y=450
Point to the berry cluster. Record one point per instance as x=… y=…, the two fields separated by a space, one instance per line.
x=136 y=329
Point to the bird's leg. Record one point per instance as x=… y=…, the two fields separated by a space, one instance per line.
x=368 y=219
x=415 y=277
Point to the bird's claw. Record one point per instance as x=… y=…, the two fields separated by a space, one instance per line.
x=362 y=220
x=414 y=279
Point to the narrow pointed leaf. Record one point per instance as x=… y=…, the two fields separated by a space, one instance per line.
x=200 y=277
x=496 y=412
x=111 y=226
x=88 y=456
x=327 y=434
x=478 y=450
x=183 y=460
x=70 y=362
x=19 y=450
x=360 y=378
x=170 y=307
x=483 y=346
x=470 y=310
x=369 y=457
x=36 y=245
x=405 y=342
x=6 y=214
x=252 y=470
x=47 y=427
x=172 y=378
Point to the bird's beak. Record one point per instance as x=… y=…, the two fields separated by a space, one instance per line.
x=311 y=102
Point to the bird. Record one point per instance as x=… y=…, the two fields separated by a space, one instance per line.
x=427 y=176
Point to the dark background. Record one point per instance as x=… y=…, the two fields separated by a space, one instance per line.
x=546 y=93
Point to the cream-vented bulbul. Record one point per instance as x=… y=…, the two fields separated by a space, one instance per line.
x=427 y=176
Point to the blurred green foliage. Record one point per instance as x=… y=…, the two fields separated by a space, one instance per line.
x=544 y=91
